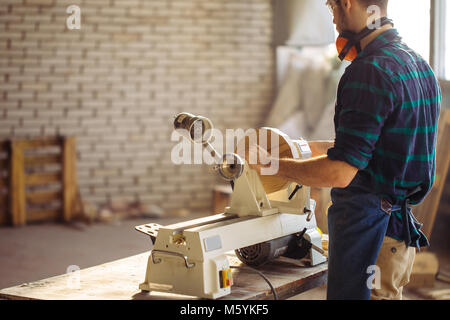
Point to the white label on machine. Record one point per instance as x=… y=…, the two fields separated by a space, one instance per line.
x=212 y=243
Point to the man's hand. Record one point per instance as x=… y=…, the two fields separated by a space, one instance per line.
x=257 y=158
x=315 y=172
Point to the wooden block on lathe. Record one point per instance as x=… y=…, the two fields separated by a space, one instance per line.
x=271 y=183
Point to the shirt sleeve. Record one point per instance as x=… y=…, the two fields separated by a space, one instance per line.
x=365 y=100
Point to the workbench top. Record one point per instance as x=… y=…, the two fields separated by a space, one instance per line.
x=119 y=280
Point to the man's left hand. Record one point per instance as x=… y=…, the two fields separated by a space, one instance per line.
x=258 y=157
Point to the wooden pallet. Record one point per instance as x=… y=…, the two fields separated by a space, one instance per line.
x=5 y=150
x=42 y=180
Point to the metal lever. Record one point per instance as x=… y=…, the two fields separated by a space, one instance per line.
x=304 y=242
x=320 y=250
x=170 y=253
x=302 y=233
x=297 y=187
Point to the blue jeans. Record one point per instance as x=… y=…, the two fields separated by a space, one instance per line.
x=357 y=227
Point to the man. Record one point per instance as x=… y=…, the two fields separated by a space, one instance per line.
x=382 y=159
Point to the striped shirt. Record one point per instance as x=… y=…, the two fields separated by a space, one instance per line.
x=387 y=111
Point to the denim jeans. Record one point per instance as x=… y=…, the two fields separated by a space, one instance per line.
x=357 y=226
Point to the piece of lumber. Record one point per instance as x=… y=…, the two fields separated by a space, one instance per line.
x=4 y=181
x=17 y=184
x=444 y=205
x=69 y=178
x=4 y=205
x=34 y=198
x=426 y=211
x=40 y=160
x=36 y=179
x=41 y=142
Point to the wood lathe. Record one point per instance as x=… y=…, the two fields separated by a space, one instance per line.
x=268 y=217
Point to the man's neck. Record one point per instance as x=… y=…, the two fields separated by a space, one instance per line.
x=365 y=41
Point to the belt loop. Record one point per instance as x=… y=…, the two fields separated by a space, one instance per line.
x=386 y=206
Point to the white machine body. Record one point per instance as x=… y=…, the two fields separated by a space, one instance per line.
x=189 y=258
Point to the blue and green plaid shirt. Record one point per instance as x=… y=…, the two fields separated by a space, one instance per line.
x=387 y=111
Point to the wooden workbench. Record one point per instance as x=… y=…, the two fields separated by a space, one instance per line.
x=119 y=280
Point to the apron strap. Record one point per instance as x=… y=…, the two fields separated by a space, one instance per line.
x=411 y=226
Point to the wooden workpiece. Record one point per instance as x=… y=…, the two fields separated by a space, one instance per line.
x=283 y=149
x=119 y=280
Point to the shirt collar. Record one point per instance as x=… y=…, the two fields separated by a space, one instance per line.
x=386 y=38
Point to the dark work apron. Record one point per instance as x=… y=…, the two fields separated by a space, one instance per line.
x=412 y=234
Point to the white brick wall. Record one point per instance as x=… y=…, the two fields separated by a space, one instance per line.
x=116 y=84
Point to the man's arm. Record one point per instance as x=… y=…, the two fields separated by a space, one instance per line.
x=315 y=172
x=318 y=172
x=320 y=147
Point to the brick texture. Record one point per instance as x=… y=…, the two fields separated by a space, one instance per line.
x=116 y=84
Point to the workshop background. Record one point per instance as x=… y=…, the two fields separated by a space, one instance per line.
x=115 y=85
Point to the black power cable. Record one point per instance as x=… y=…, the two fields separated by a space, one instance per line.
x=275 y=296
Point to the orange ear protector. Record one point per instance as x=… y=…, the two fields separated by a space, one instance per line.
x=348 y=43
